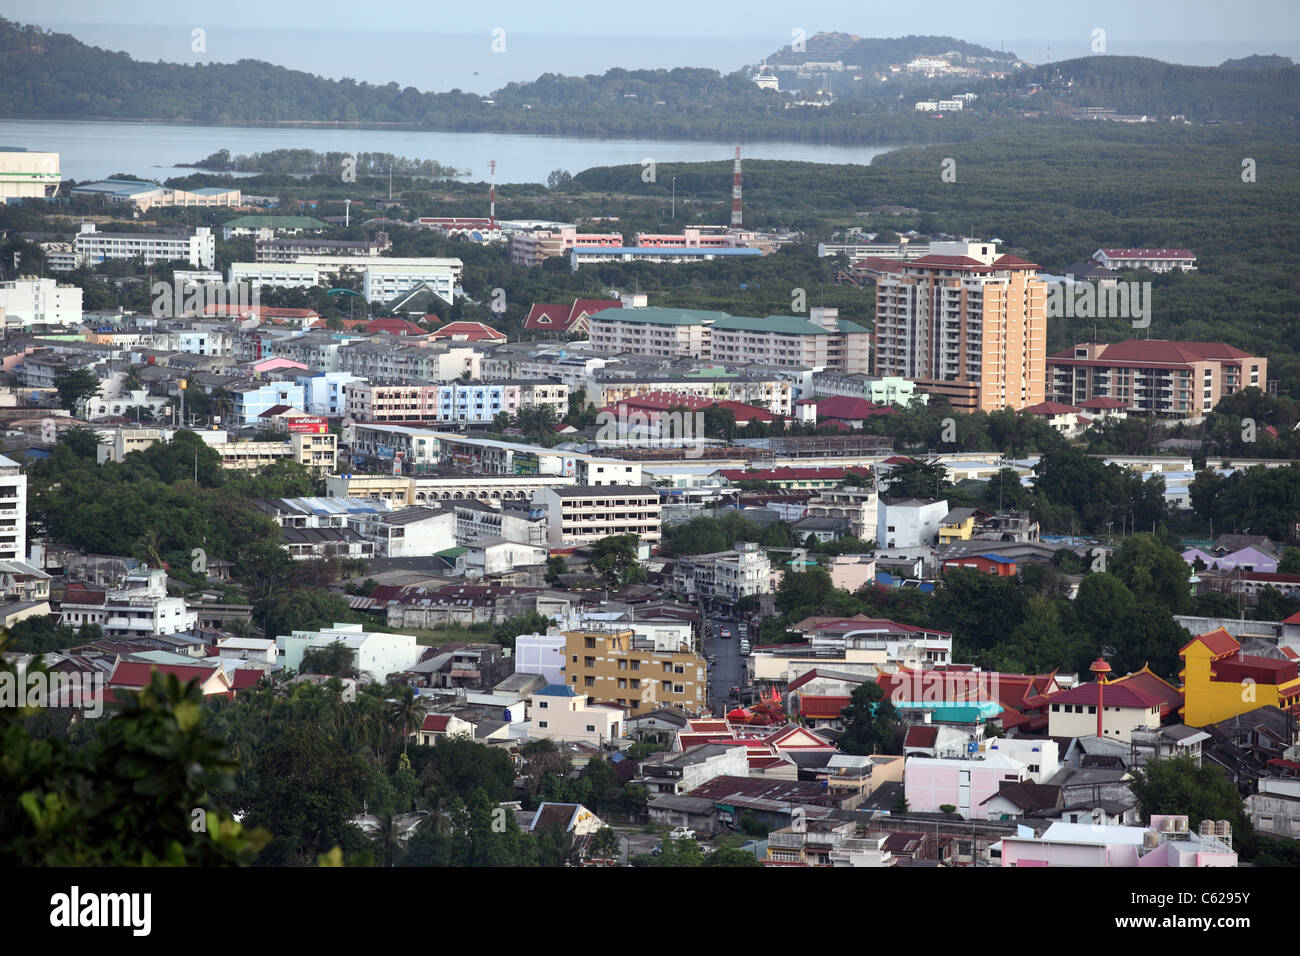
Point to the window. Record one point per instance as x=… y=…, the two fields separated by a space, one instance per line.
x=591 y=728
x=541 y=723
x=542 y=705
x=590 y=642
x=591 y=681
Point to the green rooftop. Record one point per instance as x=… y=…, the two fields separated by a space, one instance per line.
x=275 y=222
x=656 y=315
x=784 y=324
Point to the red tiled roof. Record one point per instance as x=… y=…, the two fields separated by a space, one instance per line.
x=875 y=264
x=946 y=261
x=548 y=317
x=921 y=736
x=1160 y=351
x=140 y=673
x=246 y=677
x=395 y=327
x=850 y=409
x=1112 y=695
x=1220 y=643
x=1170 y=696
x=1103 y=403
x=822 y=707
x=436 y=723
x=591 y=307
x=472 y=331
x=1051 y=408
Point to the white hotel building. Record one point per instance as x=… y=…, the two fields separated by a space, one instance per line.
x=382 y=278
x=92 y=247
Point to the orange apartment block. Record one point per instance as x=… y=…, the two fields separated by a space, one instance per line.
x=615 y=667
x=967 y=324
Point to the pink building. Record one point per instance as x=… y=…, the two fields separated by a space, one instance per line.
x=930 y=784
x=1167 y=842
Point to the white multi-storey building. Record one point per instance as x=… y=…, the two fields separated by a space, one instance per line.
x=93 y=247
x=140 y=607
x=724 y=576
x=34 y=301
x=579 y=514
x=382 y=278
x=13 y=511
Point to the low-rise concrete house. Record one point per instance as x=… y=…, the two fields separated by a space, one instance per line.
x=374 y=654
x=681 y=772
x=559 y=713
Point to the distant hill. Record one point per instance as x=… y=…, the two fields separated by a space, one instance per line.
x=872 y=53
x=1131 y=84
x=50 y=75
x=1258 y=62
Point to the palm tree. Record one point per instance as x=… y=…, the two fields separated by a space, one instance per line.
x=406 y=715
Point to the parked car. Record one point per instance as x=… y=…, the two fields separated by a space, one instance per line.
x=724 y=632
x=682 y=833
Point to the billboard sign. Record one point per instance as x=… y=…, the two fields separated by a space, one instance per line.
x=308 y=425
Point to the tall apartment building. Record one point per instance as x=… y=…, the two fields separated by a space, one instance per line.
x=34 y=301
x=13 y=511
x=580 y=514
x=1155 y=377
x=25 y=174
x=93 y=247
x=965 y=323
x=616 y=667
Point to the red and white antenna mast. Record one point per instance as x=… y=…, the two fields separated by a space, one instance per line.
x=492 y=196
x=735 y=193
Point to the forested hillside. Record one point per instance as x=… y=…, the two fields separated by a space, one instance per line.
x=52 y=75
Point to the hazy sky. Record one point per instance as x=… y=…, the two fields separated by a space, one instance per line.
x=436 y=45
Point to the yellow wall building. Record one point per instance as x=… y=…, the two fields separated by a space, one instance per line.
x=616 y=668
x=1221 y=682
